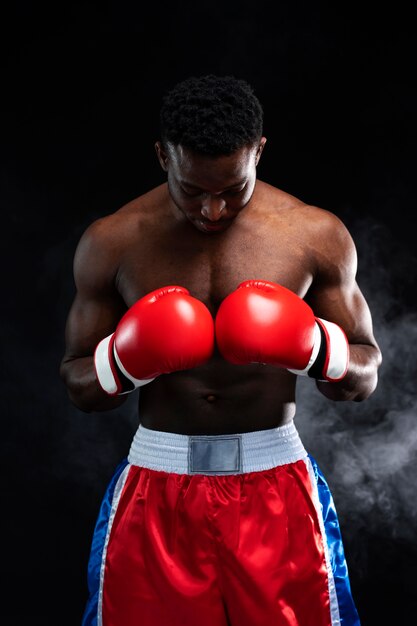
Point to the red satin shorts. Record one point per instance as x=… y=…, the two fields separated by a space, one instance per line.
x=226 y=547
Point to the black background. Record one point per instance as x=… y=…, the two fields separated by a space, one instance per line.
x=81 y=89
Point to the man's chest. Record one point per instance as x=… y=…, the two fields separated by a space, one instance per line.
x=211 y=269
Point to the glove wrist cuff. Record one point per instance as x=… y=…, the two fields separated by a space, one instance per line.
x=111 y=375
x=105 y=366
x=330 y=355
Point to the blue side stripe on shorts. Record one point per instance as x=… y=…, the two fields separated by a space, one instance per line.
x=97 y=546
x=348 y=613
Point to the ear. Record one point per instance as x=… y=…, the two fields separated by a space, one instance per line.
x=162 y=156
x=260 y=149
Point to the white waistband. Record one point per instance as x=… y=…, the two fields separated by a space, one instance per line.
x=220 y=454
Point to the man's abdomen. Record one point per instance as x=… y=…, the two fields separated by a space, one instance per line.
x=218 y=398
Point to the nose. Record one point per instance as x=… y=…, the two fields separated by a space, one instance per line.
x=212 y=207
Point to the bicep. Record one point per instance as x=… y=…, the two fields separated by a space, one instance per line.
x=335 y=294
x=345 y=305
x=97 y=306
x=91 y=318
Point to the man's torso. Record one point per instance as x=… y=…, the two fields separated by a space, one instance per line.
x=270 y=241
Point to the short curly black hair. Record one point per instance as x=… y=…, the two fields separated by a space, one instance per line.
x=213 y=115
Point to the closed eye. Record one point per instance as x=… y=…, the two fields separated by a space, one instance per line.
x=234 y=192
x=195 y=192
x=191 y=194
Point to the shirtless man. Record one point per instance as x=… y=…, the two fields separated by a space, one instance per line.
x=218 y=516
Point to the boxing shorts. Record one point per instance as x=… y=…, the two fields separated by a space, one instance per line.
x=230 y=530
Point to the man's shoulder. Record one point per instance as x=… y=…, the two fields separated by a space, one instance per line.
x=124 y=222
x=317 y=227
x=105 y=241
x=279 y=202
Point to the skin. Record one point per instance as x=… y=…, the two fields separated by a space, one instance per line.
x=212 y=225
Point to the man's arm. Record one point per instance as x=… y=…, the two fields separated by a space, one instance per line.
x=94 y=314
x=336 y=296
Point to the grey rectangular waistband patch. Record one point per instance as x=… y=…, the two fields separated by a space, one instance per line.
x=221 y=454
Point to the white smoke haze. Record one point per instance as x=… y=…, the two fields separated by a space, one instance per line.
x=368 y=450
x=371 y=471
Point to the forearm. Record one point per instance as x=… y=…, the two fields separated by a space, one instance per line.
x=83 y=388
x=361 y=378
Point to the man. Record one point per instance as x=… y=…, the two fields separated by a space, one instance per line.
x=212 y=293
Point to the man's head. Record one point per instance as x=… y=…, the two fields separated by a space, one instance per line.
x=211 y=115
x=211 y=142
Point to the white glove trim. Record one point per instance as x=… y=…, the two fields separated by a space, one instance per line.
x=337 y=352
x=337 y=360
x=103 y=362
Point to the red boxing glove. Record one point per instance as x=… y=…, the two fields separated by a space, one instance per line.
x=165 y=331
x=262 y=322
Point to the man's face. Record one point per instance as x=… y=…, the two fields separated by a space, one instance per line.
x=210 y=191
